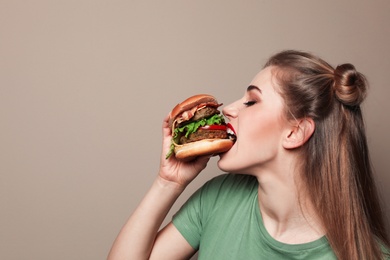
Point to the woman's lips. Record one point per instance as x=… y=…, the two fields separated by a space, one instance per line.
x=231 y=132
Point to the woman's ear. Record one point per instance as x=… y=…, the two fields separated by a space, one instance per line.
x=297 y=135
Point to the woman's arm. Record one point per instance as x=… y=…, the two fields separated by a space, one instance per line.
x=137 y=238
x=170 y=244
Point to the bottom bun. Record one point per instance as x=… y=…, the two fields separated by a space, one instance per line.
x=190 y=151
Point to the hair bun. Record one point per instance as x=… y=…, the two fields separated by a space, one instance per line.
x=350 y=85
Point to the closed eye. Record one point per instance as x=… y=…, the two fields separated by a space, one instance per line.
x=250 y=103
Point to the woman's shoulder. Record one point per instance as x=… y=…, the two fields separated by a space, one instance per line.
x=236 y=179
x=230 y=184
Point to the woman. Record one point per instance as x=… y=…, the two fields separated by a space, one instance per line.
x=300 y=187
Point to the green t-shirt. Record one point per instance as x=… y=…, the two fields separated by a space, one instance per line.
x=223 y=221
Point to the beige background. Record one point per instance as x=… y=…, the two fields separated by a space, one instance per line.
x=84 y=86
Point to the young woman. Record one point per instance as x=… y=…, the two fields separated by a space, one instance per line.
x=300 y=184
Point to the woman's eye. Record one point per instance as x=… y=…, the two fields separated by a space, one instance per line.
x=249 y=103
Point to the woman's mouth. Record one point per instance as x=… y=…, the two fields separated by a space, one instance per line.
x=231 y=132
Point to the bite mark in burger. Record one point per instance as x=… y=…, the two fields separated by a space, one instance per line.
x=198 y=128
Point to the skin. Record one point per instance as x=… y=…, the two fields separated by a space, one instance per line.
x=266 y=147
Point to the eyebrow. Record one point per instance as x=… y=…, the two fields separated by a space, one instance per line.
x=253 y=87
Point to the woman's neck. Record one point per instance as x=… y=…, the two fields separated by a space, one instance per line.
x=287 y=212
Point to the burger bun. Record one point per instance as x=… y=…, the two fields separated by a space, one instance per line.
x=188 y=104
x=189 y=151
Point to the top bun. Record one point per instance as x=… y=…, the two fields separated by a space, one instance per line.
x=188 y=104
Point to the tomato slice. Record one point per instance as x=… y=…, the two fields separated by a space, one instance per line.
x=214 y=127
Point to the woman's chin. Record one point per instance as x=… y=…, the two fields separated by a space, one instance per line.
x=220 y=162
x=224 y=164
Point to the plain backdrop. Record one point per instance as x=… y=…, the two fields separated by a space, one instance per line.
x=85 y=85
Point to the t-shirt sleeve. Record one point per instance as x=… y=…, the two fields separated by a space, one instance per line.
x=193 y=215
x=187 y=220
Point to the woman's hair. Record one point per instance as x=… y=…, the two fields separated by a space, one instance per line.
x=336 y=172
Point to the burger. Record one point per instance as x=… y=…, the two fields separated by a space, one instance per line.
x=198 y=128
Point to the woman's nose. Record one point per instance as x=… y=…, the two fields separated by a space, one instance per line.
x=230 y=111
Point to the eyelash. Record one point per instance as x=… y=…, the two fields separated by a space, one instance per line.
x=249 y=103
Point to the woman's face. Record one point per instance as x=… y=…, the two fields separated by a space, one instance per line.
x=259 y=123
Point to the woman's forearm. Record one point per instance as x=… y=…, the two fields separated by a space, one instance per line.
x=136 y=239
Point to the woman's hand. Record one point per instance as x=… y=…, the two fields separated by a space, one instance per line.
x=137 y=238
x=175 y=171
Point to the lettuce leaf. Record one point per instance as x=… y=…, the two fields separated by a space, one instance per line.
x=192 y=127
